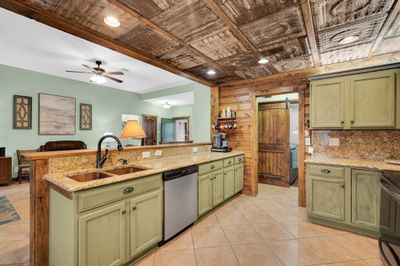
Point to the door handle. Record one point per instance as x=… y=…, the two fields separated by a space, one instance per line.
x=128 y=190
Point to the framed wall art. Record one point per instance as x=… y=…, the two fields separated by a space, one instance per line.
x=85 y=111
x=22 y=112
x=56 y=115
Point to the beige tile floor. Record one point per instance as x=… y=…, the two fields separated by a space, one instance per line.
x=247 y=231
x=14 y=237
x=267 y=230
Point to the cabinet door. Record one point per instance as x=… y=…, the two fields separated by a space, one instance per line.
x=102 y=236
x=205 y=193
x=365 y=195
x=326 y=197
x=218 y=187
x=372 y=100
x=239 y=176
x=229 y=182
x=328 y=103
x=145 y=221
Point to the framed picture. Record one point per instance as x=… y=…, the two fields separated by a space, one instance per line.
x=85 y=112
x=22 y=112
x=56 y=115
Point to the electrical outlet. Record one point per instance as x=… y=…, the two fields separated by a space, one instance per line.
x=334 y=142
x=158 y=153
x=145 y=154
x=308 y=141
x=310 y=150
x=195 y=149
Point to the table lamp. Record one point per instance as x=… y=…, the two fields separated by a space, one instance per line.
x=132 y=130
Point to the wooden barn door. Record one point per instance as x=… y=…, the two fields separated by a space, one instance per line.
x=273 y=143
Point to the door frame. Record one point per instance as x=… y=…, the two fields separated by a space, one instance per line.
x=156 y=128
x=254 y=138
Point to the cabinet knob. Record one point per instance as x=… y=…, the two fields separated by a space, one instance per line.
x=123 y=212
x=342 y=186
x=342 y=122
x=215 y=177
x=212 y=166
x=352 y=121
x=230 y=162
x=325 y=171
x=128 y=190
x=134 y=208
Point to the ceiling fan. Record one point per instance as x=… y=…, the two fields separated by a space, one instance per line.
x=99 y=74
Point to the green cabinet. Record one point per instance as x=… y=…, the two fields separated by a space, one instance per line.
x=102 y=236
x=218 y=187
x=360 y=101
x=372 y=100
x=145 y=221
x=327 y=197
x=239 y=177
x=365 y=198
x=205 y=193
x=229 y=182
x=345 y=197
x=328 y=103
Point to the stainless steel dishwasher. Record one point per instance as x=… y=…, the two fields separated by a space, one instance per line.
x=180 y=200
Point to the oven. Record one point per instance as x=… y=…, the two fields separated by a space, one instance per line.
x=389 y=240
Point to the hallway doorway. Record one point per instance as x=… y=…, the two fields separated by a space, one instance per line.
x=278 y=139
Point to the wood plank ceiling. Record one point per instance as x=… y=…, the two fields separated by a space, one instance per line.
x=190 y=37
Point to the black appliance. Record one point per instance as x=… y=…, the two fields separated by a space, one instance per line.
x=389 y=240
x=2 y=152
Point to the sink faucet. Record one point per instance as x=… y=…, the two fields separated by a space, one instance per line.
x=101 y=160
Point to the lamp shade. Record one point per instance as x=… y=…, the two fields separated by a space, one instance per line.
x=133 y=130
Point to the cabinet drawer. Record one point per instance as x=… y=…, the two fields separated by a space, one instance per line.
x=208 y=167
x=239 y=159
x=100 y=196
x=326 y=170
x=229 y=162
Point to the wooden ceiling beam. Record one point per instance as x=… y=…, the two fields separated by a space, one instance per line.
x=388 y=23
x=168 y=35
x=309 y=24
x=380 y=60
x=237 y=32
x=37 y=13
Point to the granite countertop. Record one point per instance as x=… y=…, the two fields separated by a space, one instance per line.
x=153 y=166
x=357 y=163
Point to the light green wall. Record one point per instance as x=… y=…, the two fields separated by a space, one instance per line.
x=200 y=113
x=108 y=105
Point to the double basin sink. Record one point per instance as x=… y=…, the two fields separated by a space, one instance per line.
x=106 y=173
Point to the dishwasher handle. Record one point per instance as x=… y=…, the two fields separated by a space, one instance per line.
x=180 y=172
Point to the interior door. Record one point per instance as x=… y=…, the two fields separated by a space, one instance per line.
x=273 y=143
x=150 y=127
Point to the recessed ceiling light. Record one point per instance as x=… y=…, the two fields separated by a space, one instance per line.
x=112 y=21
x=349 y=39
x=211 y=72
x=263 y=61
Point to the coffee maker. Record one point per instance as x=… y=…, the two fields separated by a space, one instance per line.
x=220 y=143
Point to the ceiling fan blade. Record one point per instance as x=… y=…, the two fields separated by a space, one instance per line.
x=83 y=72
x=88 y=67
x=114 y=73
x=113 y=79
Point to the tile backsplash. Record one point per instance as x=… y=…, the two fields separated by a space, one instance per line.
x=357 y=144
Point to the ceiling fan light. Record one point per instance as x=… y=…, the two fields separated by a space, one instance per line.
x=98 y=79
x=166 y=105
x=112 y=21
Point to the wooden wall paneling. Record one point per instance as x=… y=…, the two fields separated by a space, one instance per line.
x=303 y=117
x=389 y=25
x=37 y=13
x=214 y=107
x=242 y=98
x=39 y=214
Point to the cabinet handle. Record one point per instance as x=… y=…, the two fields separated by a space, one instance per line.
x=230 y=162
x=128 y=190
x=342 y=185
x=211 y=178
x=212 y=166
x=352 y=121
x=123 y=212
x=325 y=171
x=215 y=177
x=134 y=208
x=342 y=122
